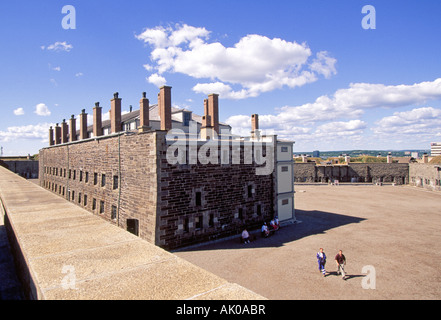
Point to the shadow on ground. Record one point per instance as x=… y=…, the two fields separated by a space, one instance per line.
x=310 y=223
x=10 y=287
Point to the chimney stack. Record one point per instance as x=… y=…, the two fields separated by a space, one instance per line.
x=72 y=129
x=115 y=113
x=164 y=103
x=57 y=134
x=144 y=117
x=83 y=125
x=213 y=111
x=206 y=129
x=97 y=120
x=255 y=132
x=51 y=136
x=64 y=132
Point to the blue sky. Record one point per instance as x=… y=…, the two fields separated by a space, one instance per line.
x=308 y=68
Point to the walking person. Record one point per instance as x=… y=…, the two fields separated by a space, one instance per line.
x=321 y=259
x=340 y=259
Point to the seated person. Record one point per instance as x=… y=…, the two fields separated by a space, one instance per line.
x=265 y=231
x=273 y=225
x=276 y=220
x=245 y=236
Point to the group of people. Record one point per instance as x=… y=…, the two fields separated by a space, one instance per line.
x=265 y=230
x=274 y=226
x=340 y=260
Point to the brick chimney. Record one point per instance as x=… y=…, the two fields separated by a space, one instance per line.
x=83 y=125
x=64 y=132
x=57 y=134
x=97 y=120
x=213 y=111
x=206 y=128
x=164 y=103
x=255 y=132
x=51 y=136
x=72 y=129
x=144 y=117
x=115 y=113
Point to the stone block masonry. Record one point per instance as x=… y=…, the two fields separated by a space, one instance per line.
x=114 y=177
x=126 y=179
x=354 y=172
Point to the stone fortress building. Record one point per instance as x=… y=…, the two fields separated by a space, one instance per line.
x=168 y=175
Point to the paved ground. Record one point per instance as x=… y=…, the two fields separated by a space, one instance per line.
x=395 y=230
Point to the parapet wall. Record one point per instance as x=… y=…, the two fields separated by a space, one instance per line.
x=64 y=252
x=354 y=172
x=424 y=175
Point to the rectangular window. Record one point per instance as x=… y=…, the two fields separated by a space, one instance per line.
x=113 y=213
x=95 y=179
x=211 y=220
x=73 y=195
x=284 y=149
x=74 y=174
x=186 y=225
x=85 y=200
x=103 y=180
x=115 y=182
x=79 y=197
x=241 y=213
x=101 y=206
x=259 y=210
x=86 y=179
x=81 y=176
x=198 y=198
x=94 y=204
x=250 y=191
x=285 y=202
x=199 y=222
x=285 y=169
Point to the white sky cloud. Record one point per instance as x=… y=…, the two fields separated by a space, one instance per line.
x=255 y=64
x=42 y=110
x=58 y=46
x=19 y=112
x=338 y=117
x=157 y=80
x=38 y=131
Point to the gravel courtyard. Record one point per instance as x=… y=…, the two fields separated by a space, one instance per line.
x=394 y=232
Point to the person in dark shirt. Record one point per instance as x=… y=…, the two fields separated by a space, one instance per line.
x=340 y=259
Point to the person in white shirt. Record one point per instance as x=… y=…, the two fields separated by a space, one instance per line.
x=245 y=236
x=265 y=231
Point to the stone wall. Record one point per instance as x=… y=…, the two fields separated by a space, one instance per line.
x=425 y=175
x=354 y=172
x=25 y=168
x=114 y=178
x=173 y=205
x=205 y=202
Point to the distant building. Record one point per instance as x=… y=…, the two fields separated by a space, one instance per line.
x=435 y=149
x=316 y=154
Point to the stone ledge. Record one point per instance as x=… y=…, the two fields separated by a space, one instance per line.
x=65 y=252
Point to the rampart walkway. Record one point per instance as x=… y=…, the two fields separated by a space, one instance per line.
x=65 y=252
